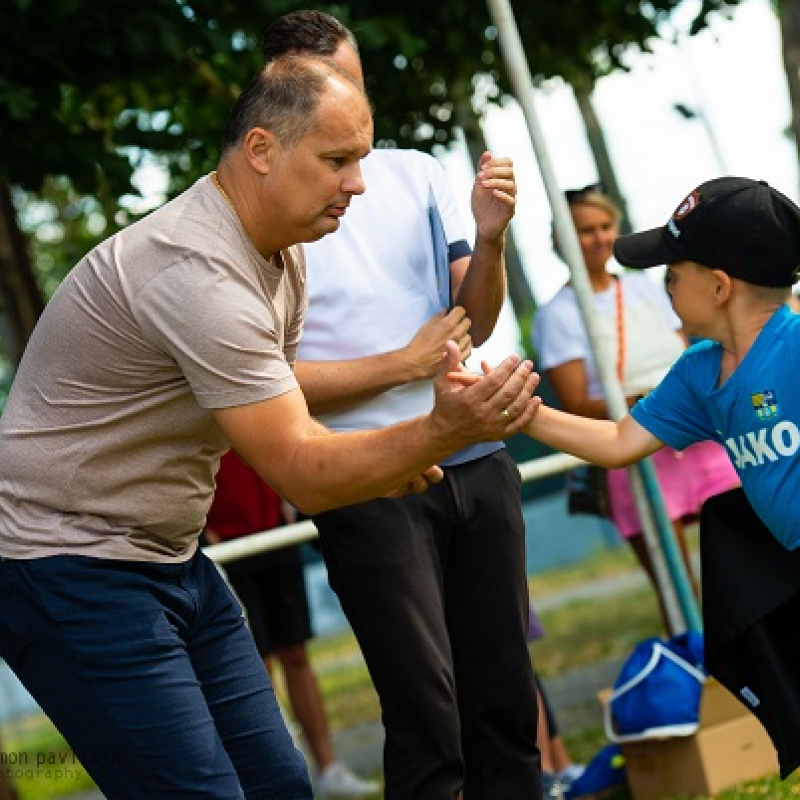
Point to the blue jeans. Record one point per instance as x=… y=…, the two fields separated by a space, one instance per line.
x=152 y=677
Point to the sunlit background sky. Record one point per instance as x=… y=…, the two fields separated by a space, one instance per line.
x=732 y=75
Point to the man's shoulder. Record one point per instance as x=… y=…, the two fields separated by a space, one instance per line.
x=700 y=362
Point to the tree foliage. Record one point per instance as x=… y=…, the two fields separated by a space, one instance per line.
x=422 y=59
x=86 y=86
x=88 y=89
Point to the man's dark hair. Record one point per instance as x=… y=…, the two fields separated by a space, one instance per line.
x=282 y=98
x=311 y=32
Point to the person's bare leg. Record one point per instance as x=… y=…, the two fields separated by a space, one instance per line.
x=558 y=754
x=680 y=535
x=543 y=736
x=305 y=701
x=639 y=547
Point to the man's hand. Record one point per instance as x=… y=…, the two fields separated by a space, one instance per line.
x=493 y=196
x=419 y=484
x=475 y=409
x=424 y=351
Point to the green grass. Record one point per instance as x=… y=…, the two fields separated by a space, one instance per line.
x=587 y=631
x=604 y=563
x=577 y=634
x=40 y=762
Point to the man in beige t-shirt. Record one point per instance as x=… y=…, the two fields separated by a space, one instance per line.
x=167 y=344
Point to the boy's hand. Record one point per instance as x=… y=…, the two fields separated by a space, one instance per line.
x=486 y=409
x=466 y=378
x=424 y=352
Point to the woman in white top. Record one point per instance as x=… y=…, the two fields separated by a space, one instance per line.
x=641 y=334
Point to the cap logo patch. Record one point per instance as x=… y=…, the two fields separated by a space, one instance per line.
x=686 y=206
x=765 y=404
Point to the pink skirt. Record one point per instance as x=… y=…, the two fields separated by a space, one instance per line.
x=687 y=480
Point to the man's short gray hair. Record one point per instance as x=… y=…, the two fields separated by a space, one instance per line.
x=283 y=98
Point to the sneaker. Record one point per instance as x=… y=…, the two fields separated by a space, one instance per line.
x=339 y=781
x=552 y=789
x=567 y=776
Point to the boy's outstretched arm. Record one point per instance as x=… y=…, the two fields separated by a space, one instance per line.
x=601 y=441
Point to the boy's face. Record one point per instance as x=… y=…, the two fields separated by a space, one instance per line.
x=691 y=288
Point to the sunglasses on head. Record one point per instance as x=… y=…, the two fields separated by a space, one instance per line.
x=573 y=195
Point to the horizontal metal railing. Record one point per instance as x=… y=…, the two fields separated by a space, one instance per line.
x=297 y=532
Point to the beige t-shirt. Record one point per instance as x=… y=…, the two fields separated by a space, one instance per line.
x=108 y=446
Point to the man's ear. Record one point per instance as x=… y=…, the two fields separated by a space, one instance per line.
x=260 y=146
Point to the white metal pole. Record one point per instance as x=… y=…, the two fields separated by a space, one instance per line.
x=520 y=77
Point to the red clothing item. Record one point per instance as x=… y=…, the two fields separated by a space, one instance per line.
x=243 y=503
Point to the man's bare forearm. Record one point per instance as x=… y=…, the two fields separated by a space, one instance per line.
x=335 y=385
x=483 y=288
x=316 y=470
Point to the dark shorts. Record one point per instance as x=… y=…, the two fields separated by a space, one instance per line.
x=272 y=588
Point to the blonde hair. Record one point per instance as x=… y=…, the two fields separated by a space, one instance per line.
x=597 y=200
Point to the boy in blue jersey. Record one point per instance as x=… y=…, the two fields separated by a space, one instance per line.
x=733 y=249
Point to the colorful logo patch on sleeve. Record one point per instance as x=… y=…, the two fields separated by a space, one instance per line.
x=765 y=404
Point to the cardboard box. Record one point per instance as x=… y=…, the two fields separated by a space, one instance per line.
x=729 y=747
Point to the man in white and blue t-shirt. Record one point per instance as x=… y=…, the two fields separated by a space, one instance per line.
x=434 y=586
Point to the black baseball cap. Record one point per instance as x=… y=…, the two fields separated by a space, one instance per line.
x=741 y=226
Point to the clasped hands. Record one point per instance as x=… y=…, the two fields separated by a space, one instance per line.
x=472 y=408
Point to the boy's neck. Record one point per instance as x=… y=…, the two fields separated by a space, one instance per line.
x=743 y=326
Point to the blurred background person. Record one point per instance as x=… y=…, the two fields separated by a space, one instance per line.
x=271 y=587
x=559 y=771
x=637 y=324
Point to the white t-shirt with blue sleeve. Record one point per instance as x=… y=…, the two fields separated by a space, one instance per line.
x=374 y=283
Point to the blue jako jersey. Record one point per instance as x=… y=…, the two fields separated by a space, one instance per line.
x=755 y=415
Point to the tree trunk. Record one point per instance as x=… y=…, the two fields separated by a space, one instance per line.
x=602 y=158
x=519 y=289
x=21 y=301
x=789 y=15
